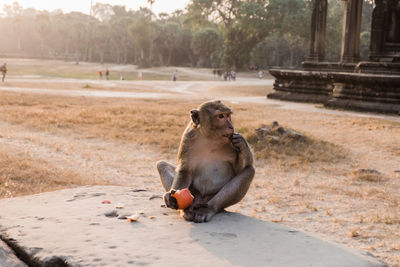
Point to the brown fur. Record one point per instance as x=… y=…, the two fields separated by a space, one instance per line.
x=214 y=162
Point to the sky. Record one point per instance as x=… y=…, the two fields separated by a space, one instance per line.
x=66 y=6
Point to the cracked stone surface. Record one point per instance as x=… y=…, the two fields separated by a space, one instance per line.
x=8 y=258
x=70 y=227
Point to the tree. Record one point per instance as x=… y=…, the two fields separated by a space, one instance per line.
x=120 y=37
x=289 y=31
x=44 y=28
x=103 y=12
x=15 y=11
x=142 y=34
x=207 y=43
x=243 y=24
x=101 y=36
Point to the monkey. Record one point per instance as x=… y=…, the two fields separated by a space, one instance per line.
x=214 y=162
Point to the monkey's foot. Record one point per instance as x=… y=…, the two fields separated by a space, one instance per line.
x=202 y=214
x=187 y=214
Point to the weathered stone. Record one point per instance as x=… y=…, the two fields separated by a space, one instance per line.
x=368 y=92
x=111 y=213
x=230 y=239
x=274 y=133
x=299 y=85
x=318 y=30
x=272 y=139
x=154 y=196
x=349 y=84
x=351 y=31
x=8 y=258
x=368 y=175
x=293 y=134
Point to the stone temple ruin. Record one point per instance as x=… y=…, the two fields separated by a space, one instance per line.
x=372 y=85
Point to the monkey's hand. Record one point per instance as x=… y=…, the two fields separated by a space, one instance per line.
x=169 y=200
x=238 y=142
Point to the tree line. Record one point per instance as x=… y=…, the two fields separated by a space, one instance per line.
x=208 y=33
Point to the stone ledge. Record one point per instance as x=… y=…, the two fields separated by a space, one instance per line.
x=69 y=228
x=8 y=257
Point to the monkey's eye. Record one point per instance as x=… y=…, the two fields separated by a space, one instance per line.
x=221 y=116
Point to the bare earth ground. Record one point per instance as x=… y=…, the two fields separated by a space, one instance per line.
x=58 y=124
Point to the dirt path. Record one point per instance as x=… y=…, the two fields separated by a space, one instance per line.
x=183 y=90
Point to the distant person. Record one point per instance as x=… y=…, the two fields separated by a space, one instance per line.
x=139 y=75
x=107 y=74
x=3 y=70
x=219 y=73
x=175 y=76
x=100 y=75
x=233 y=75
x=215 y=73
x=121 y=77
x=260 y=74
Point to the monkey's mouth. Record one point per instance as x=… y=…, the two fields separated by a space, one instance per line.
x=229 y=136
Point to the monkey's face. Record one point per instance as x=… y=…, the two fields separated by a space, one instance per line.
x=222 y=125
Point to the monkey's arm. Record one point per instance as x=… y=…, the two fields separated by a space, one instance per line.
x=233 y=191
x=244 y=154
x=237 y=187
x=181 y=181
x=182 y=178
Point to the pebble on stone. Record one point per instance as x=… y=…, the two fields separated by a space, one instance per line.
x=133 y=218
x=112 y=213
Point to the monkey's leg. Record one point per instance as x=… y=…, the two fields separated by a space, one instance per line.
x=167 y=173
x=230 y=194
x=233 y=191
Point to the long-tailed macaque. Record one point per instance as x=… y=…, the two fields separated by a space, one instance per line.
x=214 y=162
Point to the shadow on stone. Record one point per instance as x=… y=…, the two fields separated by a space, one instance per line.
x=246 y=241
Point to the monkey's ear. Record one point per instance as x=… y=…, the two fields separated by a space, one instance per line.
x=195 y=116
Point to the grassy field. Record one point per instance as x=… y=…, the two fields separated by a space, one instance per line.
x=317 y=184
x=31 y=68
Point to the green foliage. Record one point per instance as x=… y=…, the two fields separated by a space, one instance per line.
x=334 y=29
x=142 y=33
x=209 y=33
x=243 y=24
x=289 y=22
x=207 y=43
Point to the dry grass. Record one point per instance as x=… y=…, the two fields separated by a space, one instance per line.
x=22 y=175
x=294 y=150
x=308 y=184
x=230 y=88
x=367 y=175
x=142 y=87
x=158 y=123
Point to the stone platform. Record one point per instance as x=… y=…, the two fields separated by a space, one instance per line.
x=70 y=228
x=346 y=90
